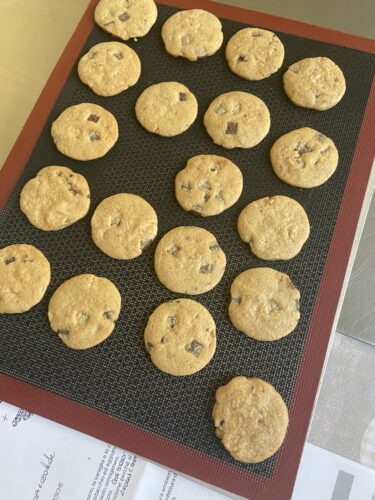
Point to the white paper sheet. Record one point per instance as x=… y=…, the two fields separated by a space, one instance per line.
x=42 y=460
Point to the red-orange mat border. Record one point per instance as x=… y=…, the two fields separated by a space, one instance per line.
x=155 y=447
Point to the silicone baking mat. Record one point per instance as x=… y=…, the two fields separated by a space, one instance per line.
x=113 y=391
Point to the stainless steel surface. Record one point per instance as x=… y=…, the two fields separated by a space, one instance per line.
x=357 y=317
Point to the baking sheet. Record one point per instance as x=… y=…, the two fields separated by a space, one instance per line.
x=117 y=377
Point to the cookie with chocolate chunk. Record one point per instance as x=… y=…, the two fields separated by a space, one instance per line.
x=208 y=185
x=254 y=54
x=189 y=260
x=304 y=158
x=25 y=274
x=56 y=198
x=264 y=304
x=167 y=108
x=251 y=419
x=192 y=34
x=126 y=18
x=85 y=131
x=276 y=227
x=314 y=82
x=237 y=120
x=180 y=337
x=124 y=225
x=83 y=310
x=109 y=68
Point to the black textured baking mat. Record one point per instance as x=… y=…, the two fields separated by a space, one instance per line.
x=117 y=377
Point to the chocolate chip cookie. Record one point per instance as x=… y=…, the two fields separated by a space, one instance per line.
x=251 y=419
x=124 y=225
x=275 y=227
x=192 y=34
x=25 y=274
x=264 y=304
x=315 y=82
x=83 y=310
x=254 y=54
x=189 y=260
x=126 y=18
x=109 y=68
x=56 y=198
x=208 y=185
x=180 y=337
x=167 y=108
x=85 y=132
x=304 y=158
x=237 y=120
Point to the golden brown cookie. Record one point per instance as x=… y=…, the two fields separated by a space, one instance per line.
x=181 y=337
x=237 y=120
x=275 y=227
x=124 y=225
x=83 y=310
x=56 y=198
x=254 y=54
x=25 y=274
x=315 y=82
x=167 y=108
x=208 y=185
x=126 y=18
x=251 y=419
x=189 y=260
x=304 y=158
x=109 y=68
x=264 y=304
x=85 y=131
x=192 y=34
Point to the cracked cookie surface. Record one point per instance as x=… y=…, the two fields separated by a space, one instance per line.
x=180 y=337
x=126 y=18
x=192 y=34
x=251 y=419
x=275 y=227
x=85 y=131
x=124 y=225
x=254 y=54
x=315 y=82
x=237 y=120
x=208 y=185
x=264 y=304
x=304 y=158
x=166 y=108
x=189 y=260
x=55 y=198
x=109 y=68
x=83 y=310
x=25 y=274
